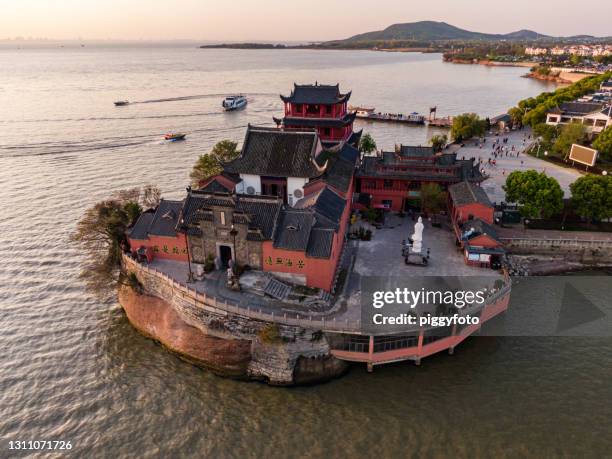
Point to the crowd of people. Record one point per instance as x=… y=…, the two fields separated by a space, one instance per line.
x=501 y=148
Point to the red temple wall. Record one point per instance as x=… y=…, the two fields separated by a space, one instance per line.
x=170 y=248
x=319 y=272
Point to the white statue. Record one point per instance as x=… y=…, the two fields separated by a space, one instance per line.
x=417 y=237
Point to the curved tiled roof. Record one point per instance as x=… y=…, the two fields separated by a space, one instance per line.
x=465 y=193
x=316 y=94
x=277 y=153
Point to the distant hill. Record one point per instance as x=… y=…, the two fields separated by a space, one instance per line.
x=439 y=31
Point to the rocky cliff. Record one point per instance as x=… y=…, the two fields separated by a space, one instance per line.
x=231 y=346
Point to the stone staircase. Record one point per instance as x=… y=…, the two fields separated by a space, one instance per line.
x=276 y=289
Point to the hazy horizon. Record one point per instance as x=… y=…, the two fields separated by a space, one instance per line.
x=274 y=20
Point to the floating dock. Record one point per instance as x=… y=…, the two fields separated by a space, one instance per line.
x=371 y=114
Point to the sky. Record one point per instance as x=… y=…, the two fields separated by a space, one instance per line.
x=288 y=20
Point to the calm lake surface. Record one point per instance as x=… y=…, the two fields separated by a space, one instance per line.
x=72 y=368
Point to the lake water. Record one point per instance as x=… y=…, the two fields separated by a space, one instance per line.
x=73 y=369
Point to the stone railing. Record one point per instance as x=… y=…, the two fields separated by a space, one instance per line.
x=210 y=303
x=193 y=302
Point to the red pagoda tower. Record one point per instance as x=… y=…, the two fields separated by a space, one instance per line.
x=322 y=108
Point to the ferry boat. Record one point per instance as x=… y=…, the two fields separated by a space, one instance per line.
x=235 y=102
x=120 y=103
x=173 y=137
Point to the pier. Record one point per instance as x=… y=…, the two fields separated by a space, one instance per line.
x=370 y=114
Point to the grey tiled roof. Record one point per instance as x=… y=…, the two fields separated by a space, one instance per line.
x=412 y=151
x=160 y=222
x=214 y=187
x=260 y=212
x=501 y=118
x=166 y=217
x=467 y=193
x=387 y=167
x=577 y=108
x=480 y=227
x=276 y=153
x=140 y=230
x=340 y=166
x=316 y=94
x=329 y=206
x=320 y=243
x=293 y=229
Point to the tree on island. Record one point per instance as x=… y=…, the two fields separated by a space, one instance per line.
x=570 y=134
x=538 y=195
x=592 y=196
x=367 y=144
x=433 y=198
x=438 y=141
x=210 y=164
x=603 y=143
x=101 y=233
x=467 y=126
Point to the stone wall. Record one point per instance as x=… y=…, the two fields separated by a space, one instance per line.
x=228 y=344
x=580 y=250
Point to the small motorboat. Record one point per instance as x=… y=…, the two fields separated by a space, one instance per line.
x=175 y=136
x=234 y=102
x=121 y=103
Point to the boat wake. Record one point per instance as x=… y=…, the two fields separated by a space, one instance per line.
x=93 y=145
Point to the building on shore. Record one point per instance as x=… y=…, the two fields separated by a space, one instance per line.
x=393 y=179
x=322 y=108
x=594 y=116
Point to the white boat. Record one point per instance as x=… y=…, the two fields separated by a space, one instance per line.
x=235 y=102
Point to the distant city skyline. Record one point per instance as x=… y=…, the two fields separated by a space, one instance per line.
x=280 y=20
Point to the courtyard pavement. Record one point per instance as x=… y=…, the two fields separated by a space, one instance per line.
x=505 y=164
x=382 y=257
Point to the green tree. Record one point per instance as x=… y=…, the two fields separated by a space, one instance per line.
x=367 y=144
x=592 y=196
x=547 y=132
x=569 y=135
x=576 y=60
x=101 y=233
x=438 y=142
x=225 y=150
x=535 y=109
x=538 y=195
x=467 y=126
x=433 y=198
x=603 y=143
x=209 y=165
x=516 y=115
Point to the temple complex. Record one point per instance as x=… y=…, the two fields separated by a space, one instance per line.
x=393 y=179
x=322 y=108
x=281 y=206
